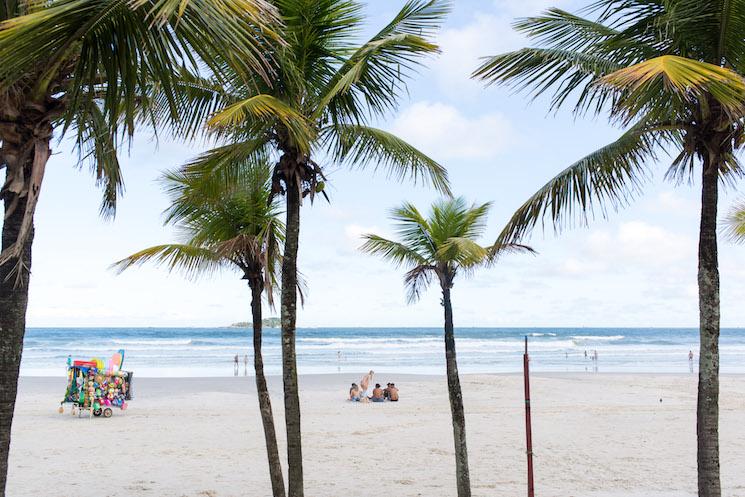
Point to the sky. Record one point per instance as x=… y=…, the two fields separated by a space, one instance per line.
x=635 y=268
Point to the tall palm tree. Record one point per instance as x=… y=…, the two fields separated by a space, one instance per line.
x=670 y=72
x=87 y=67
x=239 y=229
x=439 y=247
x=735 y=223
x=325 y=92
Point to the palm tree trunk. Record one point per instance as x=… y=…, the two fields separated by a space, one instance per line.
x=707 y=409
x=25 y=153
x=289 y=359
x=463 y=478
x=13 y=302
x=265 y=402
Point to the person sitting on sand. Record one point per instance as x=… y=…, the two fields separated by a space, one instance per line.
x=377 y=394
x=393 y=393
x=354 y=393
x=365 y=382
x=387 y=392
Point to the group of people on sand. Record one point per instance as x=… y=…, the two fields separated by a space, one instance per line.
x=359 y=393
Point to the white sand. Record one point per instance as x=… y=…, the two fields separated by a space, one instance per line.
x=595 y=435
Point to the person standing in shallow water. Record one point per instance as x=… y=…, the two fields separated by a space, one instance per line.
x=235 y=365
x=245 y=365
x=690 y=361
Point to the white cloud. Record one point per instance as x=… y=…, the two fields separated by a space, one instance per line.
x=637 y=241
x=488 y=33
x=353 y=234
x=443 y=132
x=463 y=47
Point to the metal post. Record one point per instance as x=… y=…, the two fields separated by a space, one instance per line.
x=528 y=429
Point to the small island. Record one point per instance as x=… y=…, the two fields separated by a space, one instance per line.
x=266 y=323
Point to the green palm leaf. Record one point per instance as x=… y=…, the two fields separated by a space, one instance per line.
x=361 y=145
x=374 y=74
x=395 y=252
x=266 y=108
x=648 y=87
x=735 y=223
x=191 y=260
x=610 y=176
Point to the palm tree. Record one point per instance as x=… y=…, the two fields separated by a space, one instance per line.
x=670 y=73
x=87 y=67
x=237 y=229
x=325 y=92
x=735 y=223
x=441 y=246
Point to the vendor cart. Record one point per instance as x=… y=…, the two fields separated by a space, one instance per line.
x=97 y=389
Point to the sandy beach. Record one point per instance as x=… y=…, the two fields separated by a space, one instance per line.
x=599 y=435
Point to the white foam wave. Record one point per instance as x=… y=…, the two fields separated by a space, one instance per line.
x=152 y=342
x=600 y=338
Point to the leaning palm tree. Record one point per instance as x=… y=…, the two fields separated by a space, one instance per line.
x=735 y=223
x=326 y=91
x=237 y=228
x=670 y=72
x=85 y=68
x=439 y=247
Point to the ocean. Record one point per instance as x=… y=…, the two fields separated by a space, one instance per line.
x=169 y=352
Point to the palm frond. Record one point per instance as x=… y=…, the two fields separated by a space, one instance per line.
x=198 y=98
x=217 y=170
x=609 y=177
x=192 y=261
x=499 y=249
x=538 y=70
x=361 y=146
x=414 y=230
x=416 y=281
x=97 y=146
x=395 y=252
x=119 y=48
x=735 y=223
x=571 y=53
x=652 y=87
x=462 y=252
x=268 y=109
x=375 y=73
x=731 y=45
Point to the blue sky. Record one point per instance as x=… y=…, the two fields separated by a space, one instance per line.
x=638 y=268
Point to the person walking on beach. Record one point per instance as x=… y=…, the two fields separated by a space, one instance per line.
x=235 y=365
x=245 y=365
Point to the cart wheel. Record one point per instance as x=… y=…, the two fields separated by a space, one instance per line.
x=107 y=412
x=97 y=412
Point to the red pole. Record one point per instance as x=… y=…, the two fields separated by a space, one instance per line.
x=528 y=429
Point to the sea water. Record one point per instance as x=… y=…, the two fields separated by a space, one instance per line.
x=211 y=351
